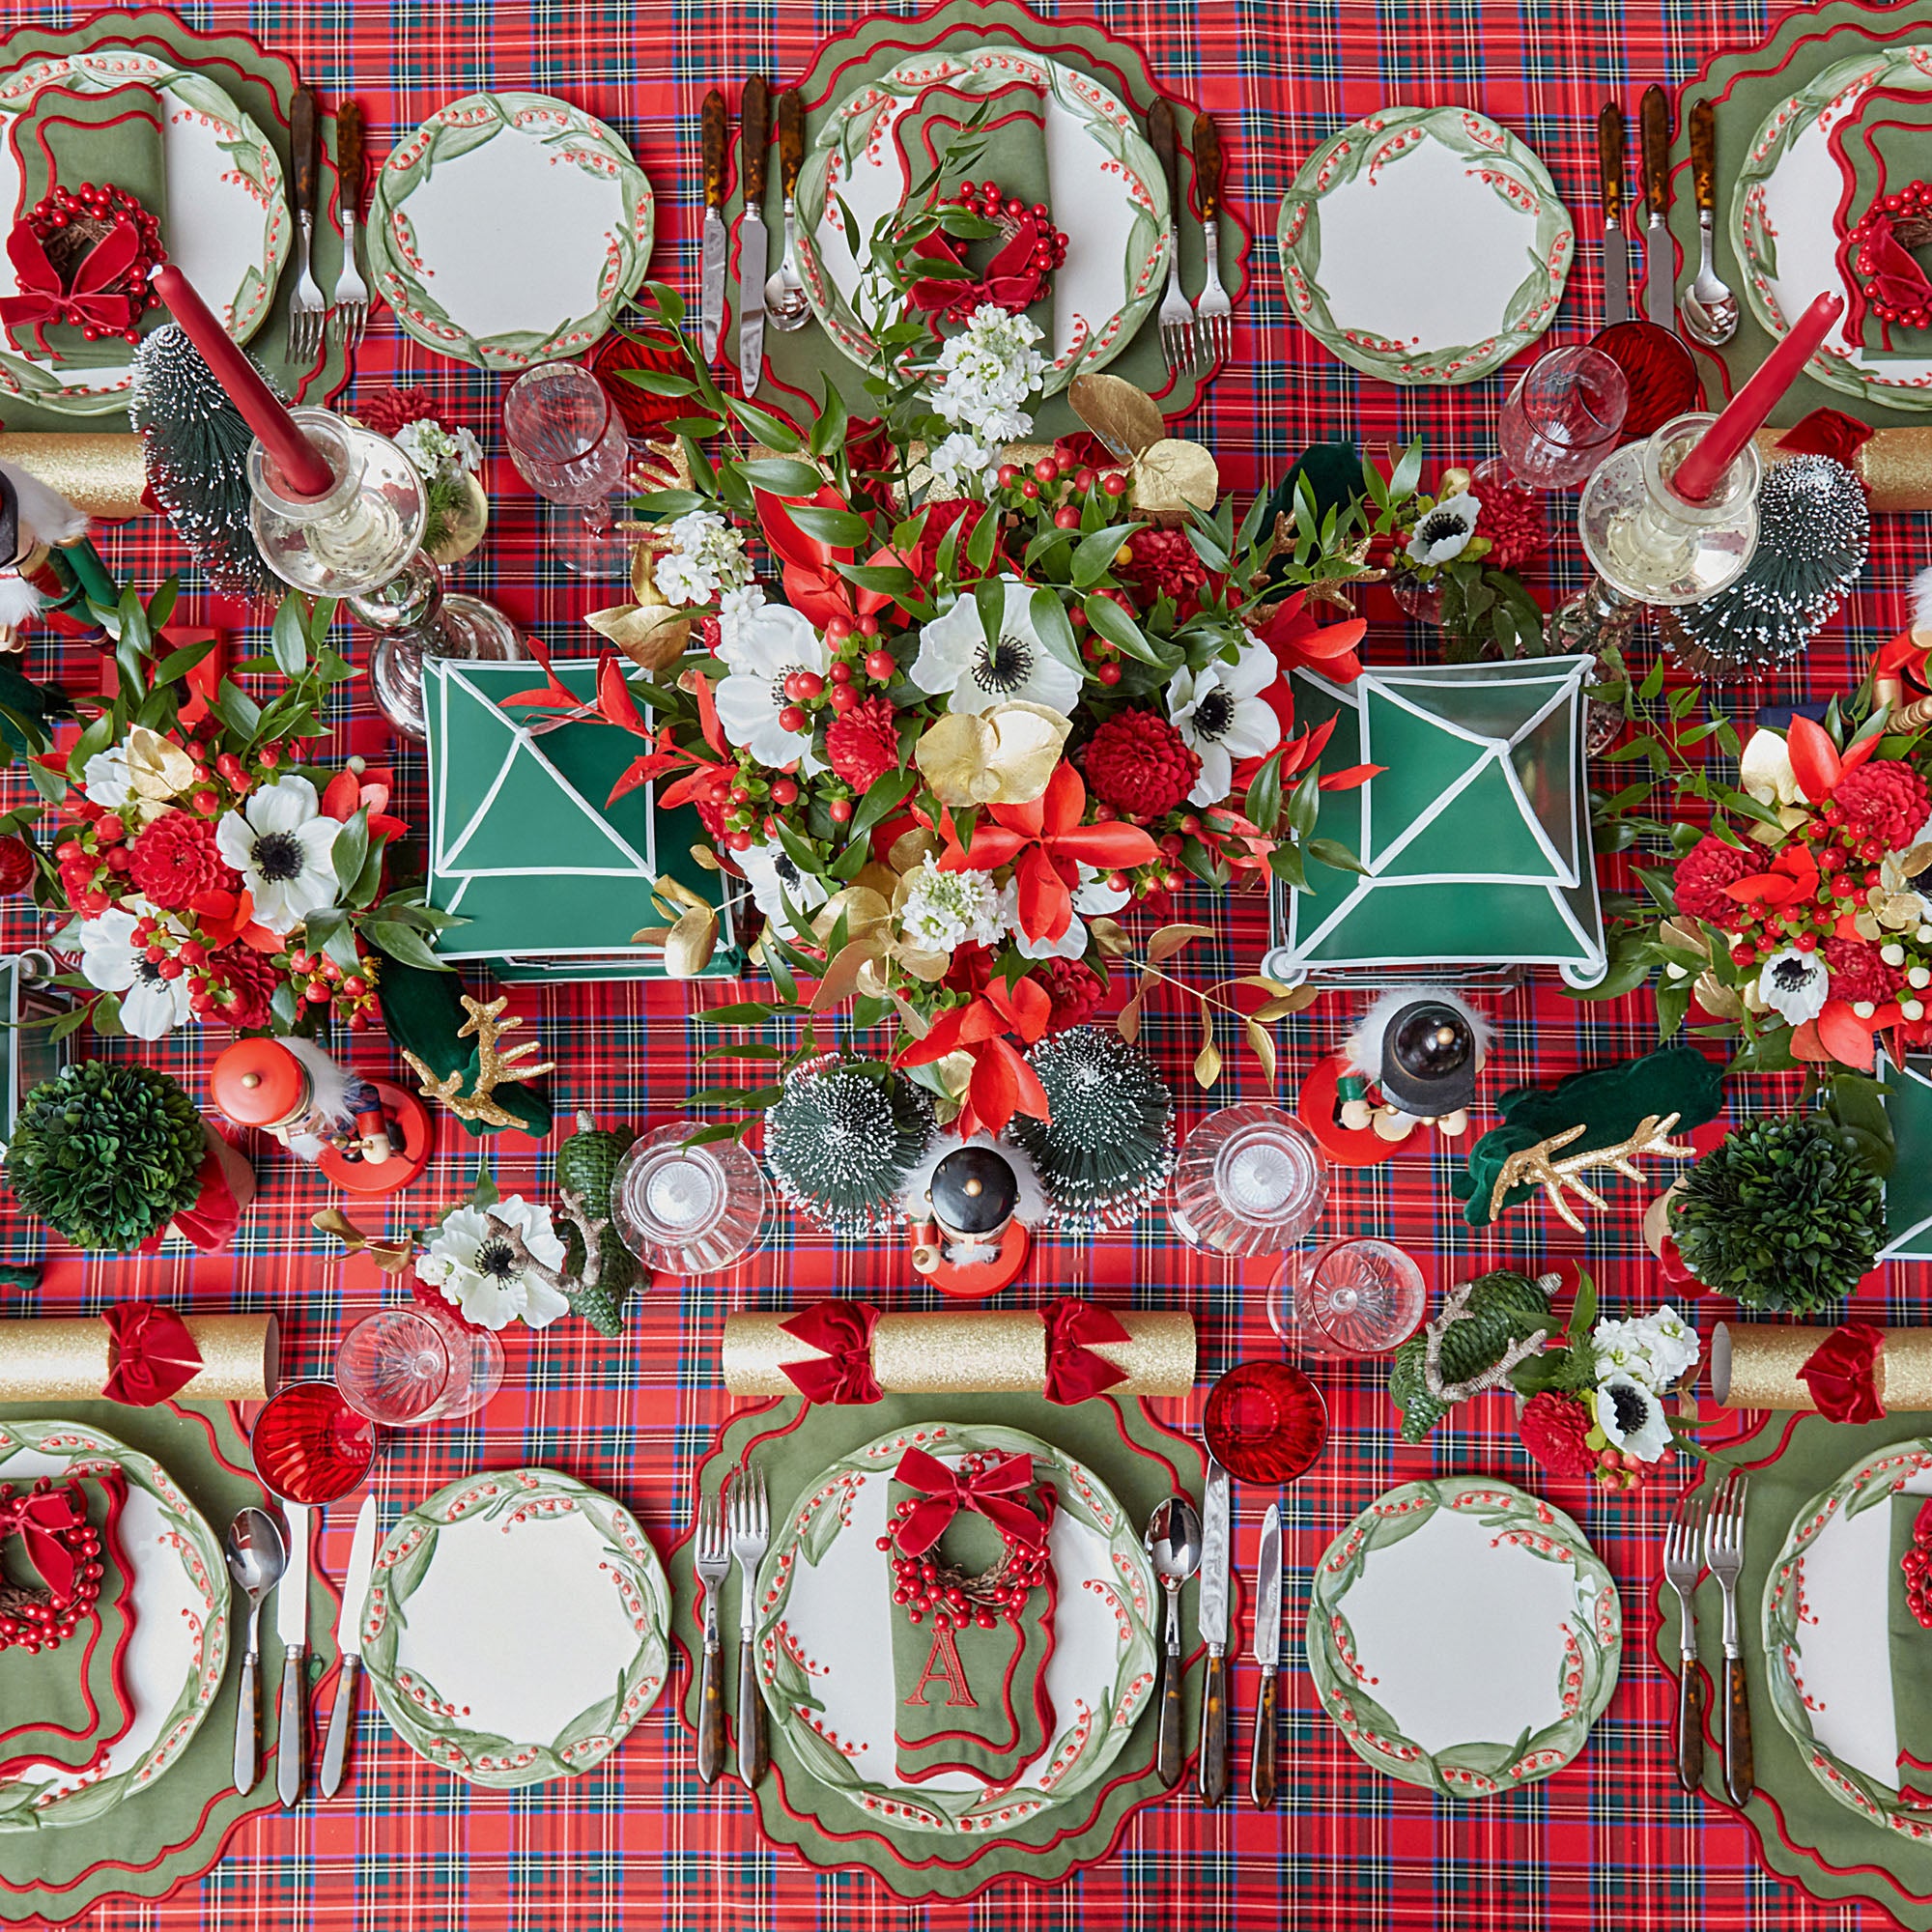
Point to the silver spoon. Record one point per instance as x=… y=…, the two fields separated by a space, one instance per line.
x=257 y=1557
x=1709 y=308
x=786 y=305
x=1173 y=1544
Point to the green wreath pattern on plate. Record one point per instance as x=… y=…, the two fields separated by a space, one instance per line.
x=856 y=121
x=1079 y=1759
x=22 y=1806
x=1756 y=242
x=458 y=130
x=1875 y=1480
x=252 y=159
x=1592 y=1649
x=410 y=1702
x=1511 y=169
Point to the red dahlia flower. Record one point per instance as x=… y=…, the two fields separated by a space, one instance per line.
x=1702 y=876
x=1074 y=988
x=1138 y=763
x=1556 y=1429
x=864 y=744
x=174 y=862
x=1884 y=800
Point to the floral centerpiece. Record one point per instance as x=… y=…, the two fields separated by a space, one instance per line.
x=218 y=869
x=975 y=706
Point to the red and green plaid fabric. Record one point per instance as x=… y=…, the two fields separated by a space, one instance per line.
x=1609 y=1842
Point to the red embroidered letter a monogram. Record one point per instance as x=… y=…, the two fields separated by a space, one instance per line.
x=943 y=1666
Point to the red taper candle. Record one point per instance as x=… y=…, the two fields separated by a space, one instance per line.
x=303 y=468
x=1697 y=477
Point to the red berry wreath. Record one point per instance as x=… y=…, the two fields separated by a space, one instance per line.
x=1031 y=248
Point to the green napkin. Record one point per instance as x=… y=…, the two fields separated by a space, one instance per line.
x=972 y=1699
x=70 y=1704
x=112 y=139
x=1910 y=1656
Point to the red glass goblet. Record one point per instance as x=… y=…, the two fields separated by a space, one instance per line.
x=310 y=1446
x=1265 y=1422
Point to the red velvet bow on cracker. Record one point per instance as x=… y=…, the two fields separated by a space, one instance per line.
x=993 y=1494
x=45 y=300
x=150 y=1355
x=1841 y=1374
x=843 y=1332
x=1073 y=1371
x=39 y=1519
x=1012 y=280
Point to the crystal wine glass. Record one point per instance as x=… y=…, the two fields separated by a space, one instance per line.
x=309 y=1446
x=1265 y=1423
x=414 y=1364
x=688 y=1210
x=1351 y=1297
x=569 y=444
x=1250 y=1180
x=1562 y=418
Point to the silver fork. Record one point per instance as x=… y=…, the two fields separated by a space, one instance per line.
x=352 y=292
x=1214 y=312
x=307 y=311
x=1177 y=312
x=1683 y=1565
x=1724 y=1553
x=751 y=1533
x=712 y=1554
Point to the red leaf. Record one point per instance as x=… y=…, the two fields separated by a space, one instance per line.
x=343 y=797
x=700 y=688
x=994 y=1089
x=1814 y=759
x=1844 y=1037
x=615 y=699
x=1348 y=778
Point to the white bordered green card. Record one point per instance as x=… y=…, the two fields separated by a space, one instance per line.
x=1464 y=1635
x=516 y=1626
x=178 y=1651
x=825 y=1637
x=1424 y=244
x=1907 y=1187
x=510 y=229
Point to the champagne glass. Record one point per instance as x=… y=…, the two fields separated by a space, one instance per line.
x=569 y=444
x=1350 y=1297
x=416 y=1363
x=1562 y=418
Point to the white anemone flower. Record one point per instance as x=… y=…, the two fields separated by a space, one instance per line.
x=973 y=672
x=152 y=1007
x=766 y=647
x=1632 y=1418
x=1794 y=985
x=1444 y=532
x=280 y=843
x=471 y=1264
x=774 y=879
x=1220 y=713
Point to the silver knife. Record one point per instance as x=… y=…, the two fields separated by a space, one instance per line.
x=348 y=1642
x=754 y=123
x=1659 y=284
x=1610 y=182
x=711 y=284
x=1267 y=1654
x=1211 y=1620
x=292 y=1627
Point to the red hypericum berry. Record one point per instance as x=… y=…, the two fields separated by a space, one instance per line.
x=111 y=829
x=355 y=985
x=194 y=952
x=791 y=719
x=837 y=627
x=810 y=685
x=784 y=792
x=119 y=858
x=841 y=672
x=1047 y=469
x=843 y=699
x=1109 y=673
x=739 y=841
x=1835 y=815
x=270 y=756
x=1843 y=885
x=1084 y=478
x=738 y=795
x=207 y=803
x=317 y=993
x=67 y=851
x=1009 y=476
x=1067 y=519
x=1113 y=483
x=840 y=811
x=881 y=666
x=155 y=954
x=1834 y=858
x=791 y=686
x=1030 y=489
x=868 y=626
x=1744 y=955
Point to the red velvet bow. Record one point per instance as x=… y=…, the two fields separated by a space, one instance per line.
x=1840 y=1373
x=843 y=1332
x=1828 y=433
x=215 y=1216
x=1073 y=1371
x=1012 y=280
x=44 y=301
x=992 y=1494
x=38 y=1519
x=150 y=1354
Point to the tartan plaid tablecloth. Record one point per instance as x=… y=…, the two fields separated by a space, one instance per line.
x=1609 y=1842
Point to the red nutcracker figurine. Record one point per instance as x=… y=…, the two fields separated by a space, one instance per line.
x=368 y=1136
x=970 y=1242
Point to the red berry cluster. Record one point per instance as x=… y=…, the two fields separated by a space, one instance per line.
x=87 y=214
x=1061 y=491
x=955 y=1601
x=319 y=982
x=35 y=1620
x=1905 y=217
x=1916 y=1564
x=1013 y=216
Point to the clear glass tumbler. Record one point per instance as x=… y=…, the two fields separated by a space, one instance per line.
x=1562 y=418
x=570 y=444
x=1250 y=1180
x=688 y=1210
x=1352 y=1298
x=413 y=1364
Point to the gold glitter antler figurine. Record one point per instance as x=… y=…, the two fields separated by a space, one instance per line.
x=489 y=1026
x=1536 y=1166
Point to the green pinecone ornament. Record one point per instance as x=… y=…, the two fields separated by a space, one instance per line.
x=587 y=1164
x=842 y=1138
x=1503 y=1307
x=1109 y=1148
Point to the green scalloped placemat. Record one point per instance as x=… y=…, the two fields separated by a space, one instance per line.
x=802 y=362
x=1138 y=1460
x=174 y=1830
x=1802 y=1832
x=262 y=85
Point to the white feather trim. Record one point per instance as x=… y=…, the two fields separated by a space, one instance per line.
x=328 y=1083
x=46 y=515
x=1364 y=1046
x=18 y=599
x=1031 y=1209
x=1922 y=600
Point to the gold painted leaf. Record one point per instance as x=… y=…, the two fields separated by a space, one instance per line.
x=1174 y=476
x=1207 y=1066
x=1261 y=1043
x=1127 y=1021
x=1107 y=935
x=693 y=940
x=650 y=935
x=1270 y=1011
x=705 y=857
x=156 y=768
x=652 y=636
x=1170 y=939
x=841 y=974
x=1719 y=1001
x=1126 y=420
x=1004 y=755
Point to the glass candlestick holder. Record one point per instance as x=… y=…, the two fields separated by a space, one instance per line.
x=414 y=617
x=1650 y=546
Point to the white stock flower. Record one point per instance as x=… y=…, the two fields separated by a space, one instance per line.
x=703 y=556
x=471 y=1264
x=944 y=910
x=1654 y=1349
x=985 y=374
